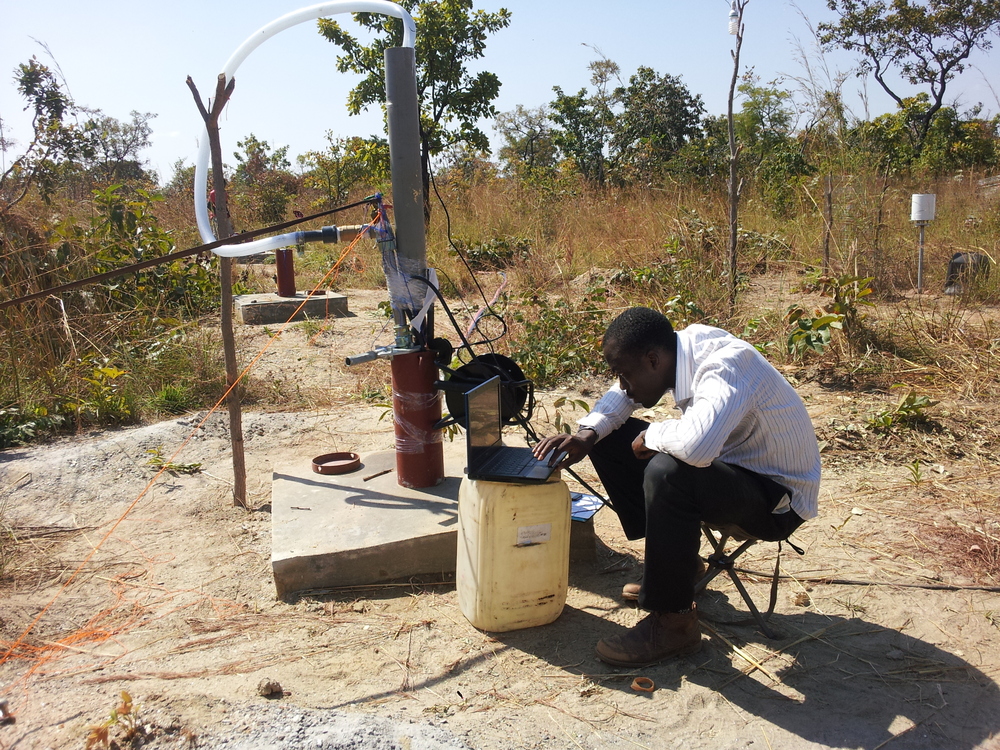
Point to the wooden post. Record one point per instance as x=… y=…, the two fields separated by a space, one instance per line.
x=734 y=182
x=828 y=229
x=225 y=229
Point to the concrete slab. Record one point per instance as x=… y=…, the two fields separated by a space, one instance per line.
x=340 y=530
x=329 y=531
x=270 y=309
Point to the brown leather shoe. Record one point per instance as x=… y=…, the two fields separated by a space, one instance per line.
x=630 y=591
x=658 y=636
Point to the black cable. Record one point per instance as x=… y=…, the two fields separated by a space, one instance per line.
x=486 y=338
x=466 y=344
x=524 y=423
x=170 y=257
x=532 y=435
x=468 y=267
x=451 y=317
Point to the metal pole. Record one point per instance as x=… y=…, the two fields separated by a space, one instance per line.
x=416 y=403
x=920 y=261
x=403 y=115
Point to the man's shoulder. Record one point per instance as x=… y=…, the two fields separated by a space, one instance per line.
x=698 y=333
x=705 y=339
x=715 y=348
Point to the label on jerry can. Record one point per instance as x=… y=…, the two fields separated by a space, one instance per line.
x=528 y=535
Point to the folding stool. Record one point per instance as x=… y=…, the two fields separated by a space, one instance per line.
x=721 y=535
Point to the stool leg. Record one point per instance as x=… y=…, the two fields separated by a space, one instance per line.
x=719 y=561
x=716 y=560
x=753 y=608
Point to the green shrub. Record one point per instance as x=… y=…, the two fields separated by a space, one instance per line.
x=811 y=333
x=909 y=412
x=497 y=253
x=560 y=339
x=20 y=426
x=105 y=400
x=173 y=399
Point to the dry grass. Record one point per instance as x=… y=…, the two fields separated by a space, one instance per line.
x=972 y=553
x=942 y=347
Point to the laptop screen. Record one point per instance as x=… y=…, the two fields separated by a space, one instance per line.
x=483 y=416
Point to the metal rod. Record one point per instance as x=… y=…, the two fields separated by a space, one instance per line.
x=920 y=262
x=177 y=255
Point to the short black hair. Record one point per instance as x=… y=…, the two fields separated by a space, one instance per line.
x=639 y=329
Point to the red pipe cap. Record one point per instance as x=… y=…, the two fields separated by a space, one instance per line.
x=336 y=463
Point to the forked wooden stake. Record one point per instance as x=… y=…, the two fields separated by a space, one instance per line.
x=225 y=229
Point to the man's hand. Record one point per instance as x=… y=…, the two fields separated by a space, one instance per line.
x=639 y=446
x=565 y=450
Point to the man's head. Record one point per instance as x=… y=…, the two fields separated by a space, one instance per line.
x=640 y=347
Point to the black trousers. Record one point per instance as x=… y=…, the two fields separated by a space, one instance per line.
x=666 y=500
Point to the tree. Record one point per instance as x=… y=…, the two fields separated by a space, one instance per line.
x=659 y=116
x=587 y=122
x=262 y=183
x=529 y=150
x=765 y=129
x=734 y=182
x=952 y=143
x=624 y=133
x=452 y=100
x=115 y=147
x=706 y=155
x=464 y=167
x=346 y=164
x=928 y=43
x=56 y=137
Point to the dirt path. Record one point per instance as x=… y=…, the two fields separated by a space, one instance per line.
x=177 y=605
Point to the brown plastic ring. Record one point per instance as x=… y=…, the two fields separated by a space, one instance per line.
x=643 y=685
x=336 y=463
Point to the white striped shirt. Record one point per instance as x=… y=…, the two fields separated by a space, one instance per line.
x=735 y=407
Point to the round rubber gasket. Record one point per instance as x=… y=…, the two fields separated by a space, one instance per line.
x=643 y=685
x=336 y=463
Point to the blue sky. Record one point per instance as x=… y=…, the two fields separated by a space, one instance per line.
x=119 y=56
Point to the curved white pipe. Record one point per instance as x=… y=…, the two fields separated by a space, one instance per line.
x=236 y=59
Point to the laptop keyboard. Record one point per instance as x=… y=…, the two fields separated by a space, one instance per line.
x=511 y=462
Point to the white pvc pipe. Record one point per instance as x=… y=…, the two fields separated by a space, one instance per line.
x=235 y=60
x=267 y=244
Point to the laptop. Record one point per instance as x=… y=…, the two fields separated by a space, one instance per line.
x=488 y=458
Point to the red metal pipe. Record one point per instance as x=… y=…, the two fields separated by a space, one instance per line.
x=416 y=406
x=285 y=269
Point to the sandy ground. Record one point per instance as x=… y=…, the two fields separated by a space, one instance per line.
x=889 y=632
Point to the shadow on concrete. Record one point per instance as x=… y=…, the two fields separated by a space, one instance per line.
x=13 y=454
x=439 y=500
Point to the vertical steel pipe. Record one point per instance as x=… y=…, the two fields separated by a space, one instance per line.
x=416 y=406
x=403 y=116
x=920 y=262
x=284 y=268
